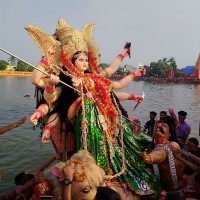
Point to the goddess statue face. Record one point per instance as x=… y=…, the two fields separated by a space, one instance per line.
x=81 y=63
x=161 y=130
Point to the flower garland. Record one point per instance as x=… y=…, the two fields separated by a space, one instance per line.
x=104 y=105
x=102 y=85
x=79 y=177
x=92 y=62
x=122 y=171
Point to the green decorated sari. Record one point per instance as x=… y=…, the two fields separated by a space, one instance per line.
x=139 y=177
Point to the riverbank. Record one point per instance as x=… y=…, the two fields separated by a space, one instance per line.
x=179 y=80
x=14 y=73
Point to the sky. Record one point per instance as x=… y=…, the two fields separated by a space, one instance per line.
x=157 y=29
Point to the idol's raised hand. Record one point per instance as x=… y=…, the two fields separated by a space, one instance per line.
x=140 y=71
x=128 y=48
x=48 y=56
x=53 y=80
x=139 y=98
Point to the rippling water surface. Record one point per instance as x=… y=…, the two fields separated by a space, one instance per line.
x=21 y=148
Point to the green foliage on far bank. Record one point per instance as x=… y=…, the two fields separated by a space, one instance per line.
x=3 y=65
x=23 y=67
x=161 y=67
x=156 y=69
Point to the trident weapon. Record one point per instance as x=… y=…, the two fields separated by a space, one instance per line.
x=37 y=69
x=143 y=95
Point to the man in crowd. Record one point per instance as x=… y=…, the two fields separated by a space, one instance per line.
x=191 y=147
x=163 y=115
x=183 y=128
x=149 y=126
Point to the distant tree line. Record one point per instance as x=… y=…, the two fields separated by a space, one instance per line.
x=155 y=69
x=21 y=66
x=161 y=67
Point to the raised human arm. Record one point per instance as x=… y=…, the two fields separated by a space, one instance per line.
x=113 y=67
x=14 y=125
x=173 y=115
x=189 y=155
x=38 y=177
x=46 y=164
x=128 y=79
x=177 y=155
x=22 y=188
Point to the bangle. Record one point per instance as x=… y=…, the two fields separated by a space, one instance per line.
x=44 y=62
x=76 y=103
x=133 y=75
x=48 y=128
x=121 y=57
x=131 y=97
x=49 y=89
x=39 y=111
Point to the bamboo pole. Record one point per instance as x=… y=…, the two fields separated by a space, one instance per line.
x=37 y=68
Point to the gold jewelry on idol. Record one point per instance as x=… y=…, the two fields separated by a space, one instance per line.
x=80 y=54
x=76 y=43
x=120 y=58
x=132 y=76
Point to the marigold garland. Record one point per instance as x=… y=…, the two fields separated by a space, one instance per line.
x=104 y=105
x=79 y=177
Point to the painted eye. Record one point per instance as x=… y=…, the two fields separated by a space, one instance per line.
x=86 y=189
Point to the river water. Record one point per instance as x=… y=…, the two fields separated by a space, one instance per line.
x=21 y=148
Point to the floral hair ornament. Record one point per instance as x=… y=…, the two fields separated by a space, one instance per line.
x=56 y=172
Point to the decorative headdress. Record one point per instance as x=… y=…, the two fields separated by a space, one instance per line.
x=45 y=42
x=71 y=41
x=63 y=32
x=74 y=40
x=77 y=43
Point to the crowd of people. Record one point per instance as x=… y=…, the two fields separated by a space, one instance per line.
x=106 y=160
x=28 y=185
x=189 y=152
